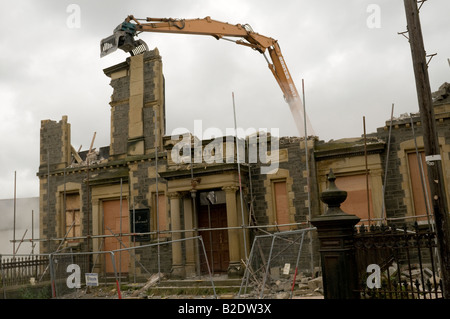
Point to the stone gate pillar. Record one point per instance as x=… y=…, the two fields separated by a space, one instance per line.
x=335 y=230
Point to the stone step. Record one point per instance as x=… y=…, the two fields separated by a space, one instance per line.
x=190 y=290
x=195 y=287
x=201 y=283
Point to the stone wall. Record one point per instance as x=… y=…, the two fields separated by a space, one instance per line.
x=129 y=159
x=292 y=169
x=137 y=105
x=55 y=145
x=398 y=197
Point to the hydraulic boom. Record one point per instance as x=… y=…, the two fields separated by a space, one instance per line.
x=123 y=38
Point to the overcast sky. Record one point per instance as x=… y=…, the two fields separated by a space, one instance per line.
x=349 y=53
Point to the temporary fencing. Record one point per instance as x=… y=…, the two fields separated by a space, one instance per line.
x=148 y=260
x=69 y=274
x=270 y=260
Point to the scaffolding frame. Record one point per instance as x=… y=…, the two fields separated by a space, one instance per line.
x=265 y=268
x=112 y=253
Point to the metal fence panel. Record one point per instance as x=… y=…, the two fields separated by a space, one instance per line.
x=397 y=263
x=274 y=258
x=155 y=261
x=69 y=274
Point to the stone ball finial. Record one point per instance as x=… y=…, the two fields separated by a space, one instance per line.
x=333 y=196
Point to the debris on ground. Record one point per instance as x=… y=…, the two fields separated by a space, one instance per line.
x=152 y=281
x=278 y=285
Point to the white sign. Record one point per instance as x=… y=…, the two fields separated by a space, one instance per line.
x=286 y=268
x=432 y=158
x=91 y=279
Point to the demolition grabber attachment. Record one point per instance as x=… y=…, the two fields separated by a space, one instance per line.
x=123 y=38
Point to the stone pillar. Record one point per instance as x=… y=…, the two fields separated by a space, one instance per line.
x=189 y=244
x=177 y=257
x=197 y=248
x=136 y=101
x=137 y=104
x=234 y=269
x=335 y=230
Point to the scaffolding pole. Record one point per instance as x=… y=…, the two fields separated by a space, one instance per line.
x=383 y=213
x=367 y=170
x=308 y=180
x=14 y=226
x=240 y=182
x=157 y=193
x=165 y=232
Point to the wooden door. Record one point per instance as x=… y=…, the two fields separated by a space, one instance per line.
x=116 y=221
x=215 y=241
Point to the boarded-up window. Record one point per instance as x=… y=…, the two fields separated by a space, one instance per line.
x=159 y=217
x=281 y=204
x=419 y=183
x=72 y=215
x=116 y=222
x=356 y=201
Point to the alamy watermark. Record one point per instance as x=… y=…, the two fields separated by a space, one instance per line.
x=73 y=20
x=252 y=146
x=374 y=277
x=373 y=21
x=74 y=279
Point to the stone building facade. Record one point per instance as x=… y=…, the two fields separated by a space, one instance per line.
x=148 y=187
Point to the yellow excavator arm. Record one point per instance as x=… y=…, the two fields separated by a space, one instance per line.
x=123 y=38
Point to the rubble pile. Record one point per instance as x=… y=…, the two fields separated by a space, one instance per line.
x=422 y=278
x=279 y=284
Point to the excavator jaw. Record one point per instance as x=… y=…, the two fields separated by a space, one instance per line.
x=109 y=45
x=124 y=40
